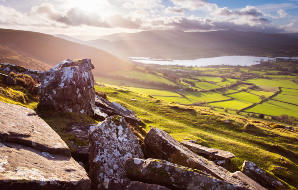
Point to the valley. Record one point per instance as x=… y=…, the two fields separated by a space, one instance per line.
x=268 y=90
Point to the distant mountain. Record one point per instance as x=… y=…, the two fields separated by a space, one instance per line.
x=52 y=50
x=65 y=37
x=188 y=45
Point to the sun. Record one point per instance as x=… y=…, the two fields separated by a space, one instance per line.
x=92 y=6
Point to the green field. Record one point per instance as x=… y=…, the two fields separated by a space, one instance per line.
x=275 y=108
x=273 y=83
x=246 y=97
x=288 y=95
x=210 y=79
x=261 y=93
x=197 y=97
x=153 y=92
x=232 y=104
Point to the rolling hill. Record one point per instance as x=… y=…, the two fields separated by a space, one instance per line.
x=188 y=45
x=52 y=50
x=10 y=56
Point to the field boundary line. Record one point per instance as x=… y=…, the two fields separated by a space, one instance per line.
x=262 y=101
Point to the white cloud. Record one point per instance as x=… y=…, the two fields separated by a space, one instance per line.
x=282 y=13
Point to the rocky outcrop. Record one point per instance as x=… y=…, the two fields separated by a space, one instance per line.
x=261 y=176
x=137 y=185
x=33 y=156
x=7 y=68
x=220 y=157
x=106 y=108
x=111 y=143
x=173 y=176
x=165 y=147
x=68 y=87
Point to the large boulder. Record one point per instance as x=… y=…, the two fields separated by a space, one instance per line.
x=167 y=148
x=68 y=87
x=33 y=156
x=220 y=157
x=111 y=143
x=261 y=176
x=173 y=176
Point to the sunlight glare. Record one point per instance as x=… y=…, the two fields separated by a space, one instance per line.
x=92 y=6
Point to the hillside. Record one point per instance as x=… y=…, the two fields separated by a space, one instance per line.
x=168 y=44
x=10 y=56
x=52 y=50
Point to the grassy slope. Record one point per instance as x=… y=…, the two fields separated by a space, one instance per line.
x=261 y=145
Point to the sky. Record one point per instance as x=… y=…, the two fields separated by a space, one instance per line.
x=89 y=19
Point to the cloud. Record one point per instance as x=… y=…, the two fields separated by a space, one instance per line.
x=195 y=4
x=174 y=10
x=282 y=13
x=247 y=11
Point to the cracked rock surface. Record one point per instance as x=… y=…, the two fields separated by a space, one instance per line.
x=33 y=156
x=111 y=143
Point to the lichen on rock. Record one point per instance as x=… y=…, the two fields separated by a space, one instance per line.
x=68 y=87
x=111 y=143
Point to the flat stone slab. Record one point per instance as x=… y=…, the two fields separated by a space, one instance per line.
x=23 y=167
x=23 y=126
x=33 y=156
x=209 y=153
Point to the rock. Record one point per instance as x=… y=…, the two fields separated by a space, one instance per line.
x=220 y=157
x=23 y=126
x=166 y=148
x=137 y=185
x=262 y=177
x=173 y=176
x=23 y=167
x=111 y=143
x=33 y=156
x=7 y=68
x=68 y=87
x=241 y=176
x=106 y=108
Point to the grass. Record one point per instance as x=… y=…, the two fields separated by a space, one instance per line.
x=197 y=97
x=143 y=77
x=261 y=93
x=275 y=108
x=209 y=79
x=273 y=83
x=209 y=128
x=246 y=97
x=232 y=104
x=288 y=95
x=153 y=92
x=17 y=95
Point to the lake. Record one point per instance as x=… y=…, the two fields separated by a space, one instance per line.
x=201 y=62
